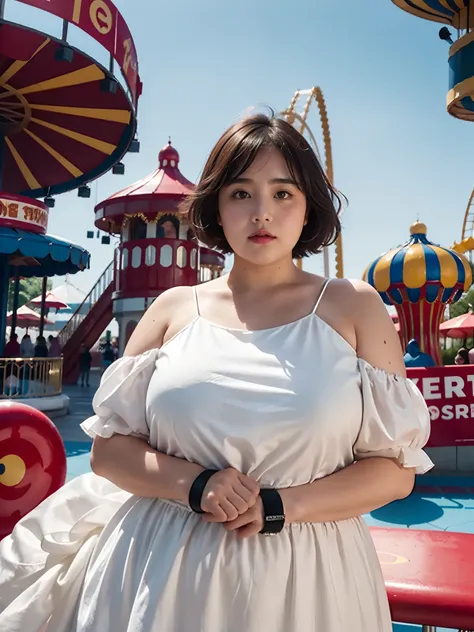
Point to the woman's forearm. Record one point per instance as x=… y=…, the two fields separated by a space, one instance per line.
x=357 y=489
x=134 y=466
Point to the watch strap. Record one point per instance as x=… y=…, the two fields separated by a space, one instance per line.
x=273 y=512
x=197 y=490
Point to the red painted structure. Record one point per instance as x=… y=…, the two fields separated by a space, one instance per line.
x=449 y=394
x=66 y=122
x=157 y=248
x=157 y=251
x=429 y=576
x=32 y=462
x=102 y=21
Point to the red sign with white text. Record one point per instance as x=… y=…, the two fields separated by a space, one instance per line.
x=449 y=395
x=102 y=21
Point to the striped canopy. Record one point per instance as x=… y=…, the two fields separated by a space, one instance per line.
x=420 y=270
x=444 y=11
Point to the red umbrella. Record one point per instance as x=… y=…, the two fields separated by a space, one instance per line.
x=459 y=327
x=26 y=317
x=52 y=302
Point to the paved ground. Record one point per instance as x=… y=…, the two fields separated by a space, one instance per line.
x=443 y=503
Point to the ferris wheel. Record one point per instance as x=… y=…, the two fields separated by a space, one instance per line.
x=467 y=238
x=297 y=114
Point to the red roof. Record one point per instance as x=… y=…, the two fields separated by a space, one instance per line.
x=161 y=190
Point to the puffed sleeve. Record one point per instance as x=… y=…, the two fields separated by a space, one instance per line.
x=119 y=403
x=395 y=420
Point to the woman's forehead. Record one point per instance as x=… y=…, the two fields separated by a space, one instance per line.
x=267 y=161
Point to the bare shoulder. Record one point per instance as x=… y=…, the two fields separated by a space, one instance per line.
x=152 y=330
x=377 y=340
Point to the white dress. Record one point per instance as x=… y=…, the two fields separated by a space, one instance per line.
x=287 y=406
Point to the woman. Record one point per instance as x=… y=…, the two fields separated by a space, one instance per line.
x=27 y=348
x=254 y=399
x=41 y=348
x=462 y=356
x=55 y=350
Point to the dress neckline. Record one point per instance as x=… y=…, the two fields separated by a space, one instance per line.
x=254 y=331
x=248 y=332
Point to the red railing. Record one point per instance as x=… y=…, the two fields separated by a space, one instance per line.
x=87 y=304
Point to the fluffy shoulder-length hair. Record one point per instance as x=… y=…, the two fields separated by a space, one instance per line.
x=233 y=154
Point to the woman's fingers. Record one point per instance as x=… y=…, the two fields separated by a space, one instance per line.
x=238 y=499
x=212 y=507
x=249 y=497
x=229 y=508
x=249 y=530
x=250 y=484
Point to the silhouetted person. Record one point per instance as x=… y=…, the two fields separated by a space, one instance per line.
x=415 y=357
x=85 y=363
x=41 y=348
x=462 y=356
x=12 y=348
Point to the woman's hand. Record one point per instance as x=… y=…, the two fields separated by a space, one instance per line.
x=249 y=523
x=227 y=495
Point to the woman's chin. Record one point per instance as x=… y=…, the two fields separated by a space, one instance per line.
x=263 y=258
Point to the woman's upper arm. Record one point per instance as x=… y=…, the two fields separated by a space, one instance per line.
x=153 y=325
x=377 y=339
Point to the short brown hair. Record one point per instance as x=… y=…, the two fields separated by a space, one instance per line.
x=233 y=154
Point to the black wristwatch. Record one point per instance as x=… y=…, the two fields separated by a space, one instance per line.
x=197 y=490
x=273 y=512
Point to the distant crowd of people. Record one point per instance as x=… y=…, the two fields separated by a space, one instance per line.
x=414 y=357
x=26 y=348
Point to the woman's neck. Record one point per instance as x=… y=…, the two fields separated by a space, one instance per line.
x=245 y=276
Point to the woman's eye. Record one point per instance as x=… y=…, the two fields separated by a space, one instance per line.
x=240 y=195
x=283 y=195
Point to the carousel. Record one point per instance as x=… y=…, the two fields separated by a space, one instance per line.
x=65 y=120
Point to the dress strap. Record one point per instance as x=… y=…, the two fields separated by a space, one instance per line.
x=320 y=296
x=196 y=300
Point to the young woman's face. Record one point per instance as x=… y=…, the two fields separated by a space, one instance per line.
x=266 y=200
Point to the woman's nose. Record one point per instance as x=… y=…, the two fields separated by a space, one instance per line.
x=262 y=212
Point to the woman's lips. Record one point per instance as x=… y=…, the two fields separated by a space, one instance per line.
x=261 y=239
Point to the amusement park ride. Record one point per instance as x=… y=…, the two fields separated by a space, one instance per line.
x=300 y=120
x=65 y=120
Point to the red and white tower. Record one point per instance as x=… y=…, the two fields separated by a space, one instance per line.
x=157 y=247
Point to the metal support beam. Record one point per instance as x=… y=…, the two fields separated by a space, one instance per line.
x=2 y=155
x=4 y=282
x=65 y=30
x=16 y=296
x=43 y=304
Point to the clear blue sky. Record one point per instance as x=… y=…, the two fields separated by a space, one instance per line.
x=398 y=155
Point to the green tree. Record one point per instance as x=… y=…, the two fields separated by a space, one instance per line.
x=462 y=306
x=29 y=289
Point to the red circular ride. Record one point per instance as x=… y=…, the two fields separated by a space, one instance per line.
x=32 y=462
x=64 y=118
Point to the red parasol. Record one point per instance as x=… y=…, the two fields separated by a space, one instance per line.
x=52 y=302
x=26 y=317
x=459 y=327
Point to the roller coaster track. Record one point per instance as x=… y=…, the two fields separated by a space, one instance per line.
x=299 y=120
